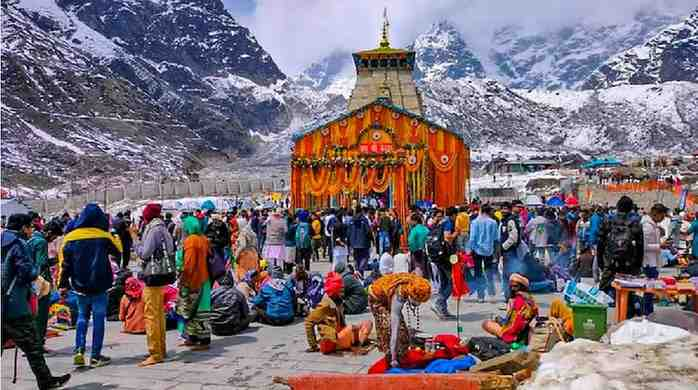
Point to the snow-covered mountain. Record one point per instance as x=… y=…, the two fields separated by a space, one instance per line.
x=640 y=119
x=670 y=55
x=441 y=53
x=565 y=57
x=111 y=87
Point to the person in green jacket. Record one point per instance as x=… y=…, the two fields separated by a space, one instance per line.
x=353 y=293
x=38 y=249
x=417 y=241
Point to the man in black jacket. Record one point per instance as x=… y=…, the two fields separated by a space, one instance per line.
x=18 y=272
x=621 y=245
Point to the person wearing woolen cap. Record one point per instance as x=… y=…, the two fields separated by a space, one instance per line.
x=156 y=240
x=328 y=320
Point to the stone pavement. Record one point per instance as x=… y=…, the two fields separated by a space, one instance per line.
x=244 y=361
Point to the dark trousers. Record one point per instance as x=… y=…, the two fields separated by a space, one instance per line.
x=648 y=299
x=303 y=256
x=126 y=256
x=361 y=256
x=418 y=262
x=41 y=319
x=264 y=318
x=23 y=332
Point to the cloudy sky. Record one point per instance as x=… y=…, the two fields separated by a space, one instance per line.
x=299 y=32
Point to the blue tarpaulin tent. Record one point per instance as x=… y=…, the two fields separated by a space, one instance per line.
x=555 y=202
x=208 y=205
x=600 y=163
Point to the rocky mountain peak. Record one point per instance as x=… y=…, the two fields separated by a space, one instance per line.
x=199 y=35
x=442 y=53
x=670 y=55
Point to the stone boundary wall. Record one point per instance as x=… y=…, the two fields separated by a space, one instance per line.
x=169 y=190
x=642 y=199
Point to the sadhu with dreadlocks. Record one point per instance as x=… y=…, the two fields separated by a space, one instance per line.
x=386 y=298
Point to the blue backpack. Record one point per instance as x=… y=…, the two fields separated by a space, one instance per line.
x=303 y=235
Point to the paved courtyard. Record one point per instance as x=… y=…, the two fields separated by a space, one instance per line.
x=247 y=360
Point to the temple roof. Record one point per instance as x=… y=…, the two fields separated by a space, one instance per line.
x=321 y=123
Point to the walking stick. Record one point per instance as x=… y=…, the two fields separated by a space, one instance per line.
x=458 y=327
x=14 y=374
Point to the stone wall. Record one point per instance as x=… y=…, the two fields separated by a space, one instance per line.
x=169 y=190
x=642 y=199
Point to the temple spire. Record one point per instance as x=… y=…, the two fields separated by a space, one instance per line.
x=384 y=32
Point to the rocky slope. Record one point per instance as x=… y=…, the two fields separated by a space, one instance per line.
x=670 y=55
x=113 y=86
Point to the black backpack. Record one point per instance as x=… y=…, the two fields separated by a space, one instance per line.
x=438 y=249
x=486 y=348
x=621 y=247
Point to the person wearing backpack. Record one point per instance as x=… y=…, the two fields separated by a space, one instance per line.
x=440 y=248
x=620 y=247
x=18 y=273
x=86 y=269
x=304 y=248
x=156 y=250
x=359 y=234
x=509 y=237
x=483 y=240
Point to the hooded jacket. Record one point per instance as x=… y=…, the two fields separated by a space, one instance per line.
x=17 y=266
x=277 y=299
x=85 y=262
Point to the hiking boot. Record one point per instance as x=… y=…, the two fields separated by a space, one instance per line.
x=99 y=361
x=55 y=382
x=79 y=359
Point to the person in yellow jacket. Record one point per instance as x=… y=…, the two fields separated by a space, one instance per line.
x=462 y=228
x=317 y=228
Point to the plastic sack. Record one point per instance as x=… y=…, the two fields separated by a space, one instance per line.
x=584 y=293
x=644 y=332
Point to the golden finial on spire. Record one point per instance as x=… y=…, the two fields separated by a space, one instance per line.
x=384 y=33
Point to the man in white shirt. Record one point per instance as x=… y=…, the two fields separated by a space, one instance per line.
x=653 y=245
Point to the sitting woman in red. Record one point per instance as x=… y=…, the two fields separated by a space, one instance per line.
x=521 y=309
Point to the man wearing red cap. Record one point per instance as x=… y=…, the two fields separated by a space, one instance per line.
x=328 y=318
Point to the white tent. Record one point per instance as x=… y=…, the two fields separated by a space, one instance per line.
x=13 y=206
x=533 y=200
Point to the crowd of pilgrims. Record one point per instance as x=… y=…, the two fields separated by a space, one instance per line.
x=236 y=267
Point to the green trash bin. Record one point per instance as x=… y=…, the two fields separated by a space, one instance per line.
x=589 y=321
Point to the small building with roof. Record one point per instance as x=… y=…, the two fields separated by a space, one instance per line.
x=382 y=146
